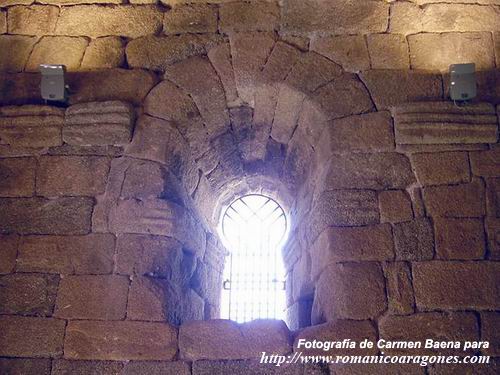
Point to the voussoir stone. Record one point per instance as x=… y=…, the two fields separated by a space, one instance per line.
x=350 y=51
x=95 y=21
x=99 y=123
x=226 y=340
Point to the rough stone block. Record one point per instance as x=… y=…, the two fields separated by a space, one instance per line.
x=255 y=16
x=493 y=234
x=443 y=123
x=31 y=337
x=456 y=285
x=8 y=253
x=379 y=368
x=450 y=369
x=120 y=341
x=395 y=206
x=201 y=339
x=31 y=126
x=193 y=18
x=464 y=200
x=102 y=53
x=454 y=48
x=92 y=297
x=414 y=240
x=148 y=299
x=338 y=330
x=159 y=141
x=92 y=254
x=349 y=51
x=349 y=291
x=23 y=45
x=459 y=238
x=298 y=315
x=438 y=326
x=95 y=21
x=245 y=367
x=409 y=18
x=25 y=366
x=28 y=294
x=64 y=366
x=33 y=20
x=44 y=216
x=340 y=244
x=3 y=22
x=490 y=321
x=344 y=208
x=388 y=51
x=156 y=53
x=17 y=177
x=441 y=168
x=399 y=288
x=111 y=84
x=158 y=217
x=148 y=255
x=493 y=197
x=99 y=123
x=156 y=368
x=335 y=17
x=57 y=50
x=392 y=87
x=369 y=171
x=72 y=175
x=372 y=132
x=486 y=163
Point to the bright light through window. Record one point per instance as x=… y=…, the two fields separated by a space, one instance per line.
x=254 y=228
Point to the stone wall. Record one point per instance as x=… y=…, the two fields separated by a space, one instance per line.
x=109 y=253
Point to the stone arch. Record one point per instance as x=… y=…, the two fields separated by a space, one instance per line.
x=238 y=120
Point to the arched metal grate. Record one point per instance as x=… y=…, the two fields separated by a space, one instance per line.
x=254 y=228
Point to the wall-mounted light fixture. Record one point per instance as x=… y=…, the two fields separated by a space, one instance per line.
x=463 y=82
x=53 y=87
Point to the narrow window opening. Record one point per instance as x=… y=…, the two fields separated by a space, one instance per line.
x=254 y=229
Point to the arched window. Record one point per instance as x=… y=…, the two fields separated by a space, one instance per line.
x=254 y=228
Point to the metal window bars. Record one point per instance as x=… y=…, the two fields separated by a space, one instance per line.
x=254 y=228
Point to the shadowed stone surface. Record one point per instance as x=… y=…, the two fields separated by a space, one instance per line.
x=201 y=340
x=125 y=340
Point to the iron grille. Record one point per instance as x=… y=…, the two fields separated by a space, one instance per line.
x=254 y=228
